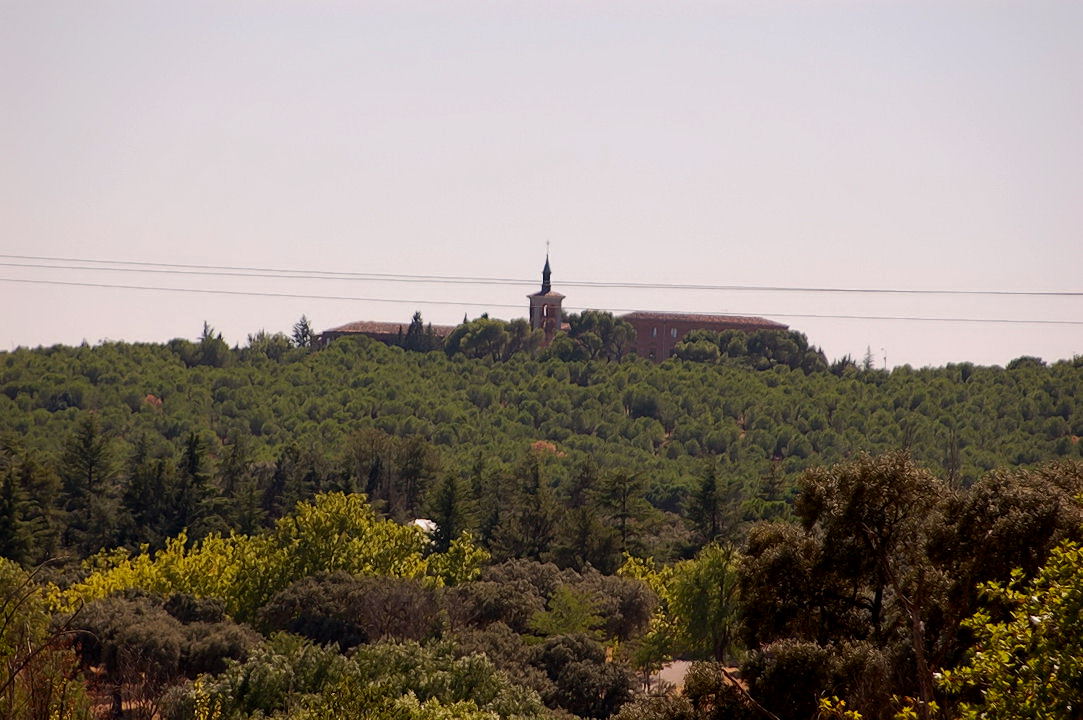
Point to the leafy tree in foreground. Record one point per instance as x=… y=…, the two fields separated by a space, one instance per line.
x=333 y=532
x=704 y=602
x=583 y=682
x=291 y=678
x=569 y=612
x=346 y=610
x=38 y=674
x=1029 y=666
x=141 y=646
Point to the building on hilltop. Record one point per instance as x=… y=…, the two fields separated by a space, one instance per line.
x=389 y=333
x=657 y=333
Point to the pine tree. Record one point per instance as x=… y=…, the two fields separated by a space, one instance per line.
x=450 y=513
x=14 y=534
x=704 y=511
x=89 y=492
x=41 y=513
x=622 y=498
x=303 y=336
x=146 y=506
x=196 y=503
x=527 y=528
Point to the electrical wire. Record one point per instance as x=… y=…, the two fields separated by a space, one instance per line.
x=456 y=303
x=309 y=274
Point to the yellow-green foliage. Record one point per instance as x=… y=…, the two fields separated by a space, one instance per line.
x=334 y=531
x=1030 y=666
x=37 y=676
x=656 y=646
x=461 y=563
x=697 y=609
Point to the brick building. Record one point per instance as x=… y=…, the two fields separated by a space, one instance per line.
x=657 y=333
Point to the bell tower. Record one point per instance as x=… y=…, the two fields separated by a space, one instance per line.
x=545 y=306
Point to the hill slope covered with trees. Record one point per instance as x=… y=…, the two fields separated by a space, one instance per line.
x=595 y=515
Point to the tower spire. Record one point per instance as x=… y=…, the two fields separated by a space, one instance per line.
x=545 y=305
x=546 y=272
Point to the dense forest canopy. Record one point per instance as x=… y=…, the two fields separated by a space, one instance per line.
x=198 y=531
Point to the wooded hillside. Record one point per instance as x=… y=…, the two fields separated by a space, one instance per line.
x=225 y=530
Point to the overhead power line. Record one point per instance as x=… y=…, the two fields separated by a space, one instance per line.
x=310 y=274
x=456 y=303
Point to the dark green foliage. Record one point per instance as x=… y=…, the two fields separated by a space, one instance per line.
x=275 y=347
x=340 y=608
x=510 y=602
x=194 y=501
x=790 y=676
x=622 y=499
x=88 y=471
x=593 y=335
x=507 y=649
x=493 y=339
x=303 y=336
x=528 y=596
x=147 y=511
x=712 y=695
x=142 y=647
x=624 y=604
x=715 y=507
x=449 y=510
x=761 y=428
x=380 y=681
x=761 y=350
x=570 y=456
x=871 y=589
x=419 y=337
x=29 y=498
x=665 y=707
x=583 y=683
x=393 y=471
x=212 y=350
x=15 y=538
x=528 y=523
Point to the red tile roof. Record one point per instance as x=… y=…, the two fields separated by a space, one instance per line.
x=729 y=321
x=386 y=328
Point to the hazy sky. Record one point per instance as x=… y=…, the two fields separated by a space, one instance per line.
x=871 y=144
